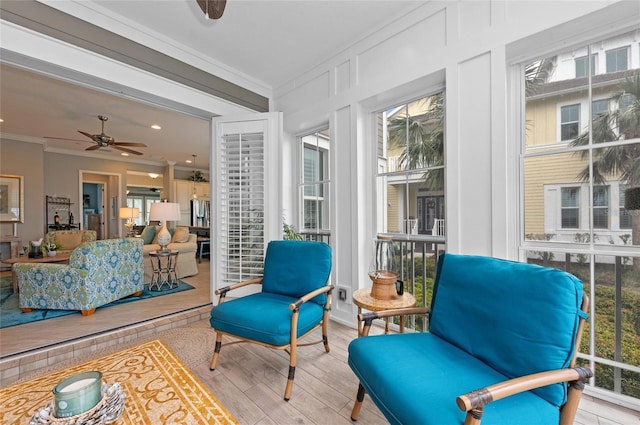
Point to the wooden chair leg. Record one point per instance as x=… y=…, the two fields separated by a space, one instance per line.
x=574 y=393
x=355 y=412
x=88 y=312
x=325 y=338
x=216 y=351
x=292 y=371
x=26 y=310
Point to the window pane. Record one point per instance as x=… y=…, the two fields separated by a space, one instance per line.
x=570 y=122
x=410 y=164
x=617 y=59
x=581 y=65
x=313 y=185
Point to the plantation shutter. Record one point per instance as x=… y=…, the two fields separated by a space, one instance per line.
x=242 y=206
x=247 y=197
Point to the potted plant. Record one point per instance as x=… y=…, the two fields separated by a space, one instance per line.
x=52 y=248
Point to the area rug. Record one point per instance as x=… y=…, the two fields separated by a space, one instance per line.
x=158 y=387
x=11 y=315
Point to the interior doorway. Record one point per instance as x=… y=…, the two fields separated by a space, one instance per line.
x=100 y=194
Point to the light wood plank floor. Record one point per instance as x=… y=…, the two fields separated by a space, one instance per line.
x=250 y=380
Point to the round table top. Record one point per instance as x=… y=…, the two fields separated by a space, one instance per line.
x=362 y=298
x=162 y=253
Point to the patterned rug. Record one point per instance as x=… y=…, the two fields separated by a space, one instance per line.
x=159 y=389
x=11 y=315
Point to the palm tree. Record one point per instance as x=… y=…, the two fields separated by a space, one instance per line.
x=621 y=162
x=421 y=139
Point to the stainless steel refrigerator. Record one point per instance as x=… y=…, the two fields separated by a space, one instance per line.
x=200 y=212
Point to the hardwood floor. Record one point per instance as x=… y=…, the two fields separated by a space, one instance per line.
x=249 y=379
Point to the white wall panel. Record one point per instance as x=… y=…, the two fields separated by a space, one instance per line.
x=343 y=77
x=474 y=183
x=405 y=50
x=314 y=90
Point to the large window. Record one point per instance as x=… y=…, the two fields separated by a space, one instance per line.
x=410 y=164
x=573 y=193
x=314 y=181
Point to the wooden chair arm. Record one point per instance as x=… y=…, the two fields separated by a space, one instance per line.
x=307 y=297
x=368 y=318
x=479 y=398
x=223 y=291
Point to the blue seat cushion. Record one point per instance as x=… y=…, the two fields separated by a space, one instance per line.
x=295 y=268
x=410 y=376
x=518 y=318
x=264 y=317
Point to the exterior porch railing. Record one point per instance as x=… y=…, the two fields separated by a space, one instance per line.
x=415 y=258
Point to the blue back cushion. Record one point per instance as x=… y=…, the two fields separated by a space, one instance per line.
x=148 y=234
x=295 y=268
x=518 y=318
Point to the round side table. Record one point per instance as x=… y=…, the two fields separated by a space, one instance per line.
x=163 y=264
x=363 y=299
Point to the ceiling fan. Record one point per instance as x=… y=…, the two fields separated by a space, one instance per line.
x=103 y=140
x=212 y=8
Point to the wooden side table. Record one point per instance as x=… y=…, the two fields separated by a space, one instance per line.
x=363 y=299
x=164 y=272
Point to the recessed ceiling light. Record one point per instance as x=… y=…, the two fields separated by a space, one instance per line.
x=124 y=154
x=1 y=120
x=188 y=161
x=156 y=127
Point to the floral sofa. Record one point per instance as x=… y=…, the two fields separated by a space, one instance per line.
x=98 y=273
x=182 y=241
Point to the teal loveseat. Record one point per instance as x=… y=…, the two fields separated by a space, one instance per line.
x=98 y=273
x=501 y=348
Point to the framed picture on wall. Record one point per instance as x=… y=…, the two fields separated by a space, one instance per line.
x=86 y=201
x=11 y=198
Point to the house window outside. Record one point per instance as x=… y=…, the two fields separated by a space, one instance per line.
x=569 y=122
x=314 y=183
x=601 y=207
x=573 y=196
x=599 y=107
x=570 y=211
x=618 y=59
x=581 y=66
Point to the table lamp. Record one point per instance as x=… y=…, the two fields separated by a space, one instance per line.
x=163 y=212
x=129 y=214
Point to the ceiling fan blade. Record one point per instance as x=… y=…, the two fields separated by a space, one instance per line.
x=212 y=8
x=90 y=136
x=127 y=150
x=138 y=144
x=64 y=138
x=93 y=148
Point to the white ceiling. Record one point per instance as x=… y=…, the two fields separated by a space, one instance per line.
x=271 y=42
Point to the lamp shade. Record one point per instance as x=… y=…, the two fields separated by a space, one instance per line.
x=129 y=213
x=164 y=211
x=632 y=198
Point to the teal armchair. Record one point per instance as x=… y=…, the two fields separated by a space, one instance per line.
x=501 y=349
x=98 y=273
x=294 y=301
